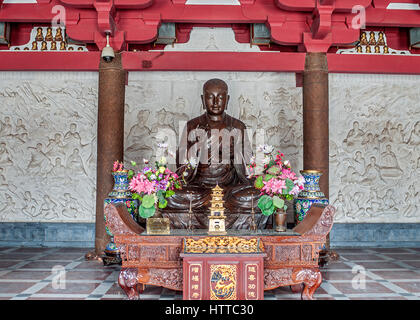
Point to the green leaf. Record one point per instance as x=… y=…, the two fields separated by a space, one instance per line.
x=133 y=163
x=130 y=174
x=273 y=170
x=146 y=212
x=267 y=177
x=271 y=163
x=290 y=185
x=278 y=202
x=136 y=196
x=169 y=193
x=268 y=211
x=163 y=204
x=265 y=202
x=148 y=201
x=259 y=182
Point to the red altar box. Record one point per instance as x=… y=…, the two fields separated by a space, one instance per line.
x=223 y=268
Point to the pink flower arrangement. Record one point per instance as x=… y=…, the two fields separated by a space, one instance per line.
x=276 y=180
x=118 y=166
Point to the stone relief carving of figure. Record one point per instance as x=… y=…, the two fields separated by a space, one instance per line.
x=29 y=205
x=75 y=163
x=138 y=135
x=58 y=170
x=355 y=168
x=55 y=147
x=372 y=173
x=414 y=139
x=397 y=134
x=356 y=210
x=390 y=205
x=341 y=205
x=39 y=163
x=48 y=208
x=370 y=143
x=5 y=159
x=8 y=208
x=410 y=201
x=376 y=204
x=385 y=136
x=6 y=127
x=354 y=136
x=72 y=138
x=390 y=167
x=68 y=206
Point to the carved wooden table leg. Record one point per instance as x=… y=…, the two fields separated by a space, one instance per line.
x=311 y=278
x=128 y=282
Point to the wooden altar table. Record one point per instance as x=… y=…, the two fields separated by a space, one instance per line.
x=291 y=256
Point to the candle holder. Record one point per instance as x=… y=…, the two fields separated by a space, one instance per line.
x=190 y=213
x=253 y=225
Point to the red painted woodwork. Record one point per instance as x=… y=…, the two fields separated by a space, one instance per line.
x=155 y=260
x=248 y=283
x=215 y=61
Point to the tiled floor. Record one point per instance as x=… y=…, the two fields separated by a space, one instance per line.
x=62 y=273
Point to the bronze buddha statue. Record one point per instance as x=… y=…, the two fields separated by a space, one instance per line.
x=220 y=146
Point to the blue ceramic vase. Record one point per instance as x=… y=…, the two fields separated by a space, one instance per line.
x=120 y=194
x=310 y=194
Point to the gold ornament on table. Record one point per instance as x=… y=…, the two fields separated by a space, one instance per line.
x=34 y=45
x=53 y=45
x=368 y=49
x=217 y=216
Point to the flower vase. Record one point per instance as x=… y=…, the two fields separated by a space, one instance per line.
x=310 y=194
x=280 y=216
x=119 y=194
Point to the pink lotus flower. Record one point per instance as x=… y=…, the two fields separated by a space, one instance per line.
x=141 y=184
x=274 y=186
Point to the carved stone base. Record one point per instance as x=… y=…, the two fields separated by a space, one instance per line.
x=326 y=256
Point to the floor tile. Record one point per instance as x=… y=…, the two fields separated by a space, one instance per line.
x=70 y=288
x=397 y=274
x=14 y=287
x=26 y=275
x=412 y=287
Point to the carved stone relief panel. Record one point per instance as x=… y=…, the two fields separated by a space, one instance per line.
x=47 y=146
x=375 y=147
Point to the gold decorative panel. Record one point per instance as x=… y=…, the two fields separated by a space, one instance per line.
x=223 y=283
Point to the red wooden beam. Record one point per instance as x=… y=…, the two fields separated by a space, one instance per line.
x=365 y=63
x=208 y=61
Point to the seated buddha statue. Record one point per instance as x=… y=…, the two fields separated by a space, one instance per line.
x=219 y=145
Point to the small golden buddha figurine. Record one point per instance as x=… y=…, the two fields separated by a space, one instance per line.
x=26 y=48
x=386 y=50
x=381 y=40
x=58 y=35
x=17 y=49
x=80 y=49
x=34 y=45
x=70 y=49
x=372 y=40
x=377 y=49
x=359 y=49
x=44 y=46
x=363 y=39
x=39 y=36
x=49 y=36
x=62 y=45
x=368 y=50
x=53 y=45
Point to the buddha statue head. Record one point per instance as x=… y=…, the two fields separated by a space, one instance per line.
x=215 y=97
